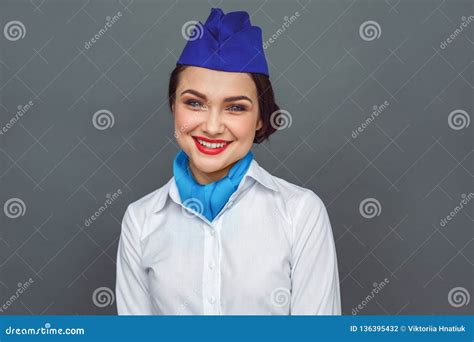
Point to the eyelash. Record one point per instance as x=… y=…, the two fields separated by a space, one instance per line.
x=196 y=105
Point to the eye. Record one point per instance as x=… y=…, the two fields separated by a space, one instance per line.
x=194 y=104
x=236 y=108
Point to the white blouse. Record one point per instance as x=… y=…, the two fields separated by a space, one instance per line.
x=270 y=251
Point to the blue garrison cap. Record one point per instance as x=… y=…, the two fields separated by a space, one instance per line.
x=226 y=42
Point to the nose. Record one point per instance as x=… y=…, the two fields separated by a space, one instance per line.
x=213 y=124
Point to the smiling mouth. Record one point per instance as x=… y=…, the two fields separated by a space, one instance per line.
x=210 y=146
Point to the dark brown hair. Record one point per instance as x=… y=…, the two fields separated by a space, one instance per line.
x=266 y=102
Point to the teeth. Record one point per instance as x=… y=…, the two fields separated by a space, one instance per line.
x=211 y=145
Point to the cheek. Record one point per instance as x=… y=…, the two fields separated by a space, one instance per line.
x=184 y=121
x=243 y=127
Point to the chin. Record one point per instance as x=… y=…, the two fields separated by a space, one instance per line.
x=208 y=164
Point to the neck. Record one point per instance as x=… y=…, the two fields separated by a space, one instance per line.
x=207 y=178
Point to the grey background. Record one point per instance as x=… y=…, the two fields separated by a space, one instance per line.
x=325 y=75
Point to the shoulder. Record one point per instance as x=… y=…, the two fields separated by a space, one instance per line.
x=297 y=202
x=303 y=205
x=292 y=194
x=142 y=207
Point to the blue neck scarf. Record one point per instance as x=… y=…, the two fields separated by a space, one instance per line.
x=210 y=198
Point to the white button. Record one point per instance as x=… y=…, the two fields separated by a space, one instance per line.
x=211 y=299
x=211 y=264
x=212 y=231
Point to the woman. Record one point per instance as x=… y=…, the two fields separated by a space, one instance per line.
x=224 y=236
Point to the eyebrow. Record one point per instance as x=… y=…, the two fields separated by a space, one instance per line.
x=227 y=99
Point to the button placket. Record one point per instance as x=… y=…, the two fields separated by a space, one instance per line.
x=211 y=280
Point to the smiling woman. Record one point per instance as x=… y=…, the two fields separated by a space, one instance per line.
x=217 y=111
x=224 y=236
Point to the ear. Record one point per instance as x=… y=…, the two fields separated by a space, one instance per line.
x=259 y=124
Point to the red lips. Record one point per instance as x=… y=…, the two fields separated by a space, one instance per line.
x=210 y=150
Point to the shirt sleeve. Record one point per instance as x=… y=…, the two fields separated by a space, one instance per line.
x=131 y=286
x=314 y=274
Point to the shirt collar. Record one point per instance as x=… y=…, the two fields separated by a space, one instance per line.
x=255 y=171
x=261 y=175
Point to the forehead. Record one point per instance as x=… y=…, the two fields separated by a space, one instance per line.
x=215 y=83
